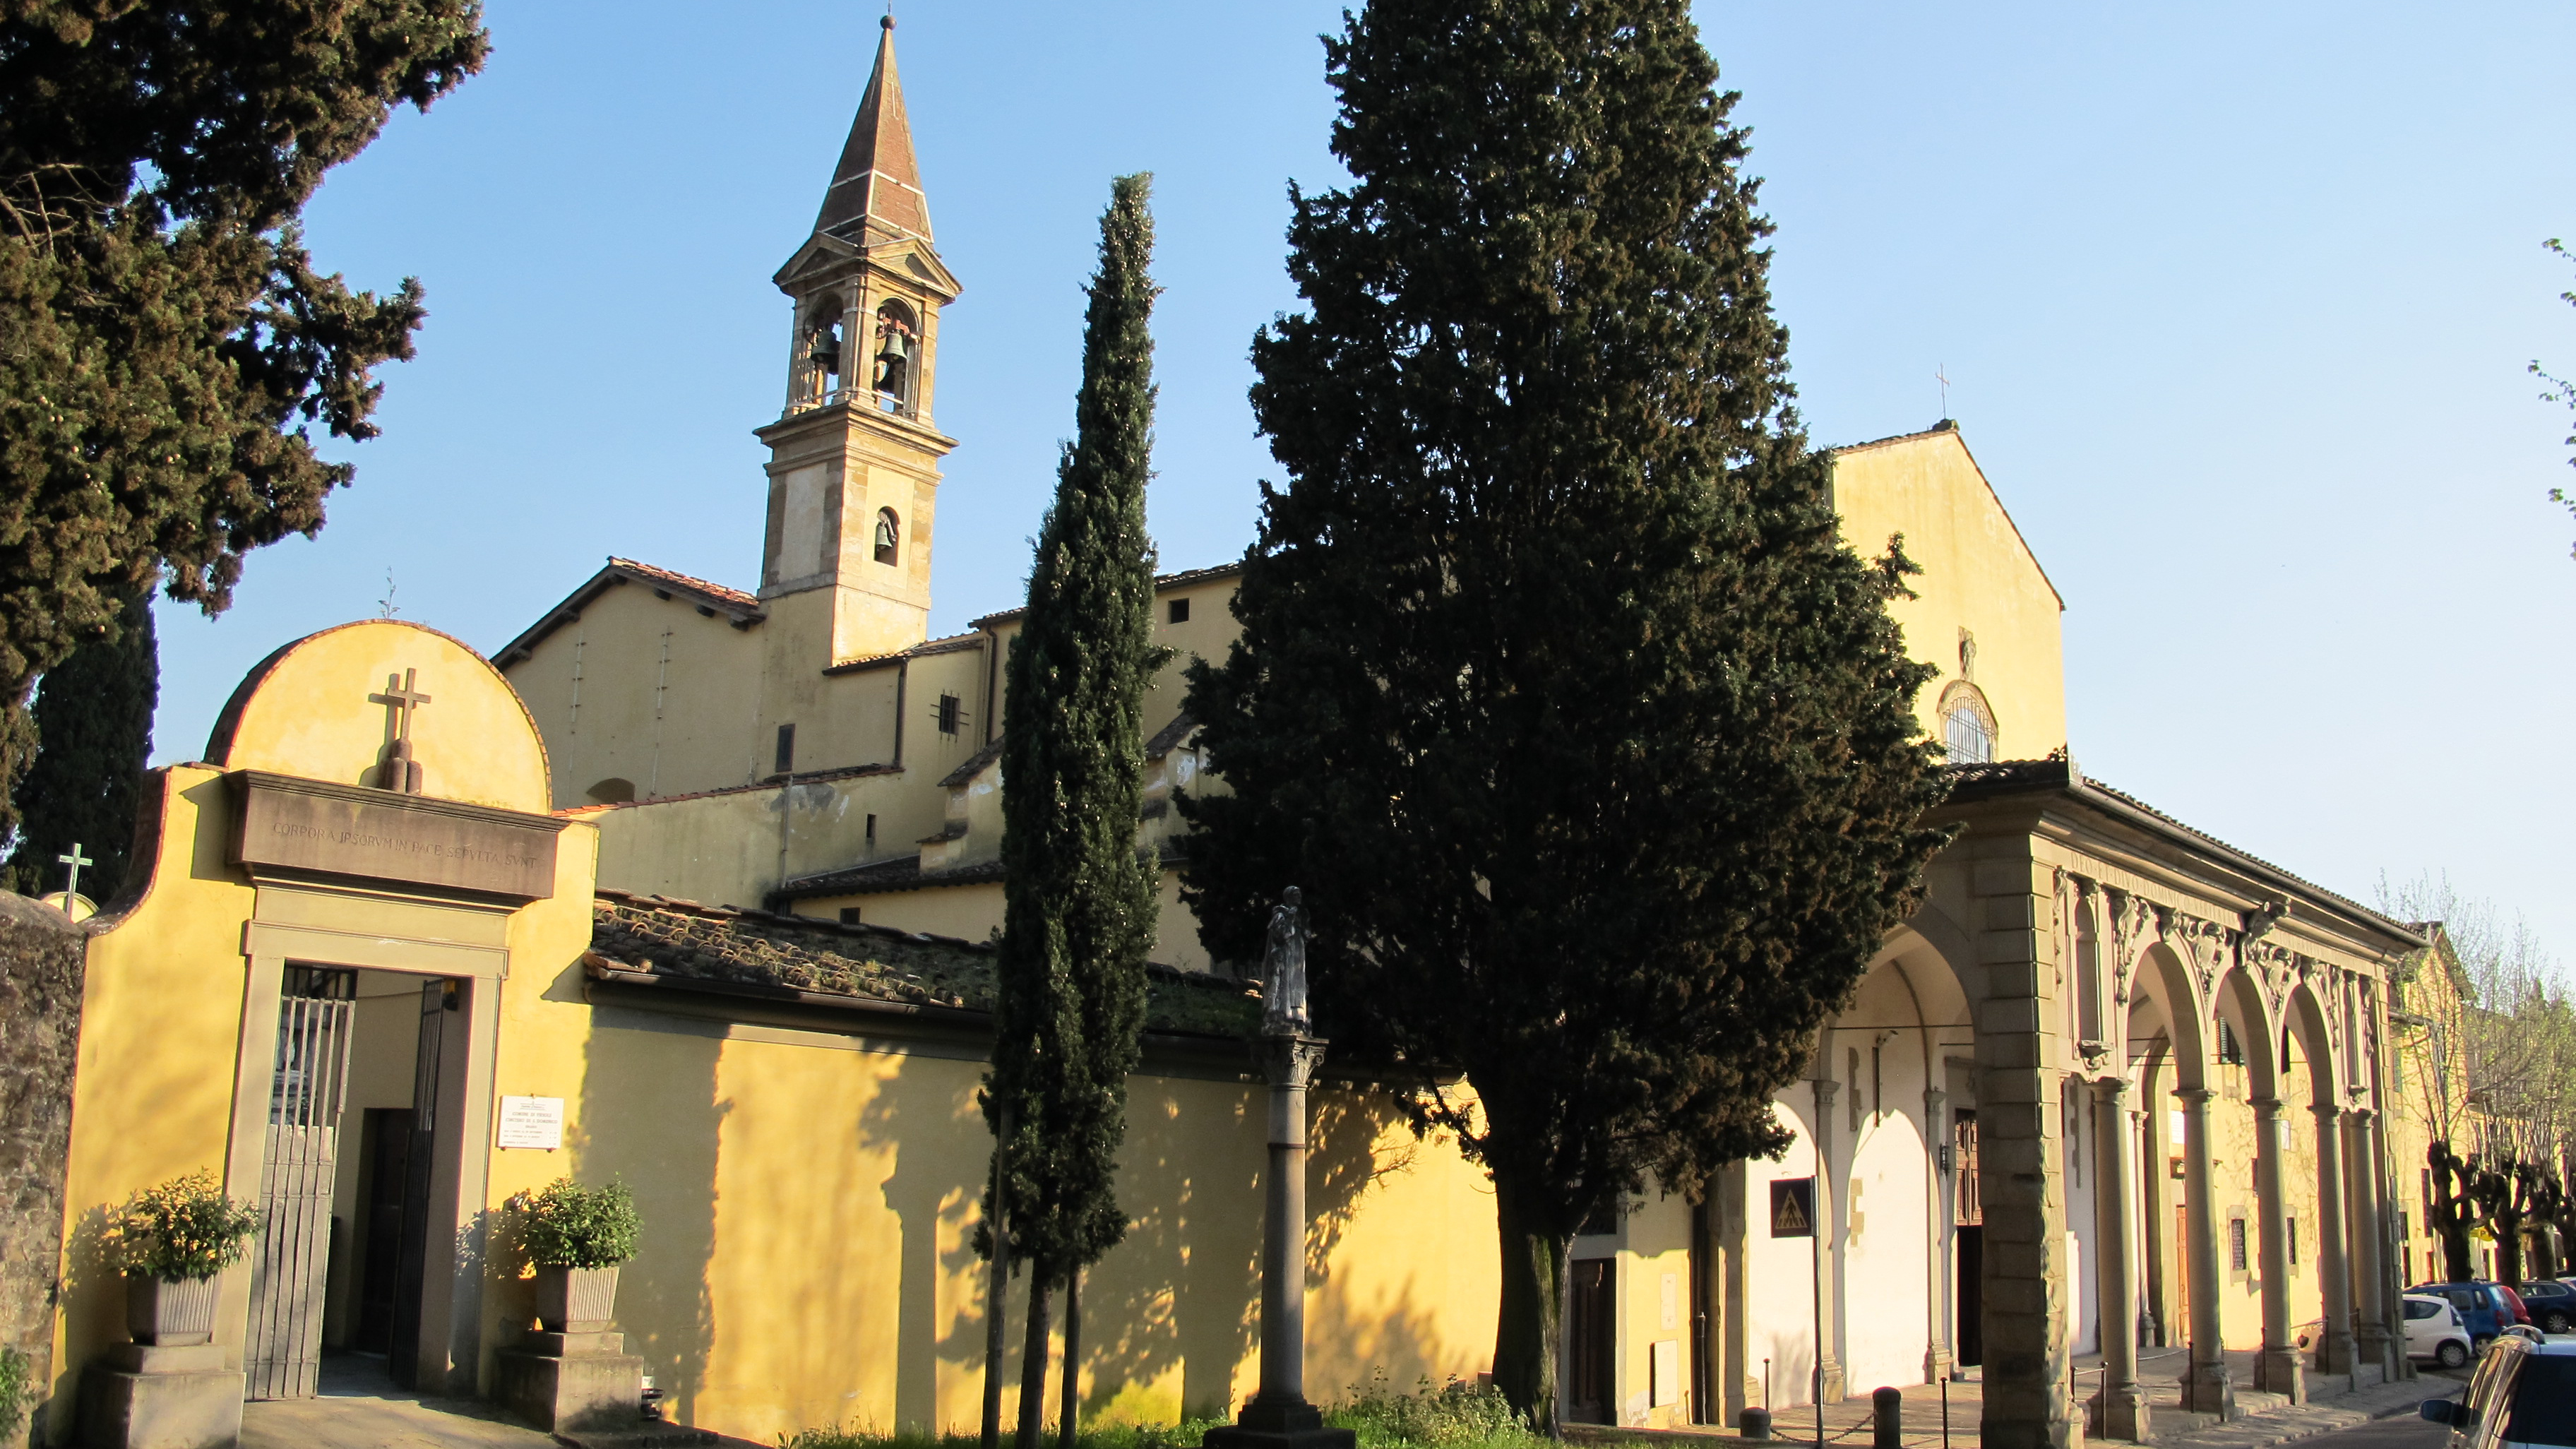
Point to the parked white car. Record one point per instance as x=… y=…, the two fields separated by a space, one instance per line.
x=2434 y=1331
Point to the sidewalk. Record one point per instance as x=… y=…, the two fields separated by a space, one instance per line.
x=359 y=1409
x=2267 y=1419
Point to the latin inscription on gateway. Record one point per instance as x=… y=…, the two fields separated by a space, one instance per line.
x=351 y=830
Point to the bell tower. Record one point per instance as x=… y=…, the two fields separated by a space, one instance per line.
x=854 y=458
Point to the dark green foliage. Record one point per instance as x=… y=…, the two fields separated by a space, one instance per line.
x=567 y=1225
x=1078 y=915
x=94 y=726
x=166 y=346
x=1590 y=742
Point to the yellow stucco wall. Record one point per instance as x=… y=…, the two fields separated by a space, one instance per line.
x=160 y=1028
x=596 y=684
x=1978 y=575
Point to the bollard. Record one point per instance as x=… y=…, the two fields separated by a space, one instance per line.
x=1886 y=1414
x=1755 y=1424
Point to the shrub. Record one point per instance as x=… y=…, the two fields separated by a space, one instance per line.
x=185 y=1229
x=13 y=1390
x=1452 y=1416
x=567 y=1225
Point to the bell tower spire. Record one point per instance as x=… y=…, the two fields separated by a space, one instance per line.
x=854 y=458
x=877 y=186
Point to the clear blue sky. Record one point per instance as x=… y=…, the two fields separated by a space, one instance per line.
x=2235 y=301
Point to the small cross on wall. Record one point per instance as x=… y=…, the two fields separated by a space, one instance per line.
x=71 y=886
x=396 y=769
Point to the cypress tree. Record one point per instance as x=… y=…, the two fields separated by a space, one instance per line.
x=1078 y=916
x=169 y=349
x=93 y=718
x=1591 y=743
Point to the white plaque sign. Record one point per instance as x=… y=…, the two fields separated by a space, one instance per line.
x=532 y=1122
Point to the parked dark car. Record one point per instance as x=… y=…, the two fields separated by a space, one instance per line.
x=2521 y=1314
x=2552 y=1304
x=2522 y=1396
x=2484 y=1308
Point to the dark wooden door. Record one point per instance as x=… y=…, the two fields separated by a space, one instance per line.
x=385 y=1179
x=438 y=1002
x=1592 y=1343
x=282 y=1356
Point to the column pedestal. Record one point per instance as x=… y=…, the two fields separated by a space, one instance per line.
x=1278 y=1417
x=142 y=1397
x=584 y=1388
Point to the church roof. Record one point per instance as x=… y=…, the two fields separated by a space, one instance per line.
x=655 y=943
x=1163 y=583
x=743 y=609
x=876 y=189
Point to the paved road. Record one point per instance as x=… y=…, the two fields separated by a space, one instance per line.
x=2406 y=1431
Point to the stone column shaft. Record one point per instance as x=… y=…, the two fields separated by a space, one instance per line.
x=1278 y=1417
x=1937 y=1355
x=2279 y=1368
x=2369 y=1311
x=2209 y=1389
x=2334 y=1267
x=1828 y=1240
x=2115 y=1186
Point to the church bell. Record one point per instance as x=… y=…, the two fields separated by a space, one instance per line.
x=825 y=354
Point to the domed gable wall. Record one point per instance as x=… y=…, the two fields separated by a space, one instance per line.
x=316 y=709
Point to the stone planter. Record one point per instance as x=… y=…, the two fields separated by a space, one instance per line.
x=575 y=1300
x=170 y=1315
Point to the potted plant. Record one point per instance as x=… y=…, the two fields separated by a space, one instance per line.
x=576 y=1236
x=170 y=1242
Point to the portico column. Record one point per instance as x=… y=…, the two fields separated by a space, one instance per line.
x=2334 y=1271
x=1936 y=1131
x=2207 y=1387
x=2115 y=1186
x=2369 y=1309
x=1828 y=1304
x=2278 y=1369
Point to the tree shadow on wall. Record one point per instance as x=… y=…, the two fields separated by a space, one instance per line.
x=650 y=1115
x=925 y=1114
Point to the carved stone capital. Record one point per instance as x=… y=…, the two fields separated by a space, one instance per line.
x=1289 y=1059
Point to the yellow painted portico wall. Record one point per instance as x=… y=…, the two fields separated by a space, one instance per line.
x=809 y=1192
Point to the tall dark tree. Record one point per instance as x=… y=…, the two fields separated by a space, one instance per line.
x=94 y=720
x=166 y=345
x=1078 y=915
x=1591 y=744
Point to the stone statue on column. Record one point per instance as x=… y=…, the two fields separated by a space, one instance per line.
x=1278 y=1417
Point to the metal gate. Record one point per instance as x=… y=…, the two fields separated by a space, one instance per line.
x=283 y=1357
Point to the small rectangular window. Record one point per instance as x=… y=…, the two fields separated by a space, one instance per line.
x=2236 y=1244
x=2293 y=1225
x=849 y=915
x=1180 y=611
x=948 y=714
x=786 y=748
x=872 y=832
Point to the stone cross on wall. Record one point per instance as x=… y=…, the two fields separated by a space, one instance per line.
x=395 y=768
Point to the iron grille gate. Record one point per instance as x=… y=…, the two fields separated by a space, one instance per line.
x=283 y=1358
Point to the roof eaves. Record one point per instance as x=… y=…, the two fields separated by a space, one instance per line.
x=1163 y=583
x=2013 y=777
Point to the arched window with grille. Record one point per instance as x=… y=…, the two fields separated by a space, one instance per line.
x=889 y=538
x=1967 y=724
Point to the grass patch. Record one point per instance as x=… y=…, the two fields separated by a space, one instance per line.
x=1184 y=1435
x=1454 y=1415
